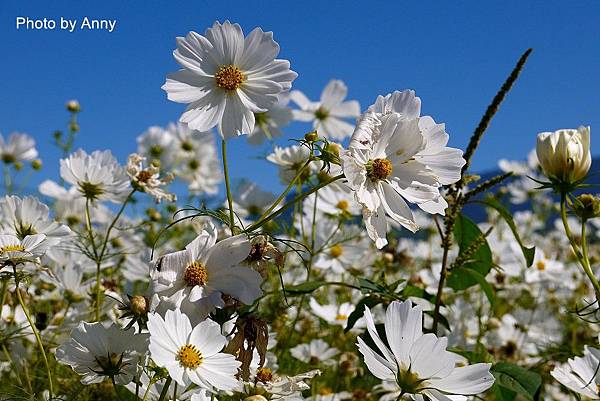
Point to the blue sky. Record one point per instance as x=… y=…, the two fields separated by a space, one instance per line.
x=454 y=54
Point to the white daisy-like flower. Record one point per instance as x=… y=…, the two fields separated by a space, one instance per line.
x=19 y=147
x=205 y=270
x=158 y=145
x=333 y=314
x=268 y=124
x=226 y=78
x=97 y=176
x=15 y=250
x=192 y=355
x=290 y=160
x=329 y=113
x=418 y=364
x=581 y=374
x=336 y=199
x=396 y=156
x=250 y=201
x=96 y=352
x=315 y=352
x=148 y=179
x=28 y=216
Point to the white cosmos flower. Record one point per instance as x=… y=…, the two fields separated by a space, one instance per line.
x=290 y=160
x=16 y=250
x=581 y=374
x=333 y=314
x=192 y=355
x=205 y=270
x=96 y=352
x=268 y=124
x=396 y=156
x=418 y=364
x=98 y=176
x=250 y=200
x=20 y=147
x=226 y=78
x=315 y=352
x=28 y=216
x=329 y=113
x=158 y=145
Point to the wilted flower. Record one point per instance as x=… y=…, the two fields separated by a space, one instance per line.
x=147 y=179
x=564 y=155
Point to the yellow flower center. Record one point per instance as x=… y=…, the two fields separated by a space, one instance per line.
x=379 y=169
x=229 y=77
x=336 y=251
x=189 y=356
x=12 y=248
x=341 y=317
x=342 y=205
x=541 y=266
x=195 y=274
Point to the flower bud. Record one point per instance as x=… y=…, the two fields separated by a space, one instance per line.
x=311 y=136
x=73 y=106
x=139 y=305
x=564 y=155
x=586 y=206
x=255 y=398
x=36 y=164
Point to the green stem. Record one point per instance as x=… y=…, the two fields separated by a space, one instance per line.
x=582 y=258
x=292 y=202
x=36 y=333
x=115 y=387
x=286 y=191
x=227 y=185
x=165 y=389
x=100 y=256
x=440 y=290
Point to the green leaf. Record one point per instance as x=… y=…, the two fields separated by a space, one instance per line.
x=462 y=273
x=304 y=288
x=367 y=286
x=358 y=312
x=528 y=253
x=466 y=232
x=517 y=379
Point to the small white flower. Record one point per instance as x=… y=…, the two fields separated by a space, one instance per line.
x=226 y=78
x=418 y=364
x=206 y=270
x=147 y=179
x=332 y=313
x=290 y=160
x=192 y=355
x=250 y=200
x=96 y=352
x=268 y=124
x=581 y=374
x=158 y=145
x=28 y=216
x=15 y=250
x=315 y=352
x=329 y=113
x=97 y=176
x=20 y=147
